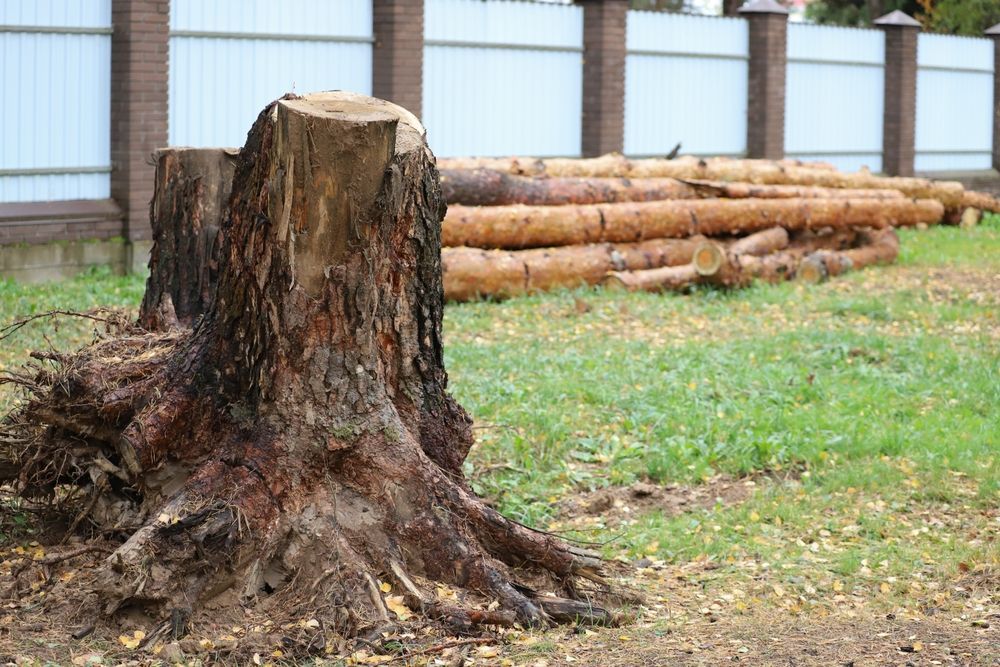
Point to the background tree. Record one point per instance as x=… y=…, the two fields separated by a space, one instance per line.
x=959 y=17
x=660 y=5
x=859 y=13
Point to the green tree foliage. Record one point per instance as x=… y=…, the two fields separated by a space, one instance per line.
x=964 y=17
x=659 y=5
x=960 y=17
x=858 y=13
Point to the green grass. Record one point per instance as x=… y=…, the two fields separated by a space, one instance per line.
x=879 y=391
x=680 y=387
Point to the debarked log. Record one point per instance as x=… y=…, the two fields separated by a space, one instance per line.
x=518 y=227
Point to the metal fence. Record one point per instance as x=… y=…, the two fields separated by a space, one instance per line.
x=55 y=100
x=954 y=103
x=229 y=58
x=685 y=82
x=834 y=95
x=502 y=78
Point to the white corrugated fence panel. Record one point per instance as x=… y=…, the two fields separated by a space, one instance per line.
x=230 y=58
x=954 y=103
x=834 y=95
x=685 y=82
x=55 y=87
x=502 y=78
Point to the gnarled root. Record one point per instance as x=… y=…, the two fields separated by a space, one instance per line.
x=221 y=521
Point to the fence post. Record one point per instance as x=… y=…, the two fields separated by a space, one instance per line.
x=139 y=62
x=900 y=116
x=603 y=119
x=994 y=34
x=398 y=53
x=768 y=28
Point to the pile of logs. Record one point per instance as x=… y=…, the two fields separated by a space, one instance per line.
x=522 y=225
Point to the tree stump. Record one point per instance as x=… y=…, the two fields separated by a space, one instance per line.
x=299 y=440
x=191 y=191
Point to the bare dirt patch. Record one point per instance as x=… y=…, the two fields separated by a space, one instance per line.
x=617 y=503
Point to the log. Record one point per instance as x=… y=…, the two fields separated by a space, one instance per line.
x=761 y=243
x=191 y=189
x=518 y=227
x=470 y=273
x=668 y=278
x=763 y=172
x=612 y=165
x=983 y=201
x=875 y=247
x=484 y=187
x=724 y=190
x=715 y=264
x=709 y=256
x=299 y=441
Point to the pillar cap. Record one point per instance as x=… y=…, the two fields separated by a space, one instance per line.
x=994 y=31
x=762 y=7
x=897 y=19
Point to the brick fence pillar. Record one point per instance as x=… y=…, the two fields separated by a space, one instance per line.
x=994 y=34
x=900 y=116
x=139 y=61
x=603 y=120
x=768 y=27
x=398 y=55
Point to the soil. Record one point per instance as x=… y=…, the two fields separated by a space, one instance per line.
x=617 y=503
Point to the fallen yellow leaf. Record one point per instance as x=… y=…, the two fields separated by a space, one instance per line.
x=133 y=641
x=396 y=605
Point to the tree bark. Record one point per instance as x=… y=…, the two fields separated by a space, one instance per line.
x=192 y=187
x=484 y=187
x=471 y=273
x=762 y=172
x=517 y=227
x=299 y=441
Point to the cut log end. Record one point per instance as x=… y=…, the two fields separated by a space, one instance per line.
x=812 y=271
x=708 y=259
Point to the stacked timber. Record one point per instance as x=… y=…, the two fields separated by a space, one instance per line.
x=522 y=225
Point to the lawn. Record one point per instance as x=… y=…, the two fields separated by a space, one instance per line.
x=828 y=453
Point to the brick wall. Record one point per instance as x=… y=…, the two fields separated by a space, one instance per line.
x=603 y=76
x=398 y=53
x=768 y=28
x=42 y=222
x=899 y=119
x=139 y=47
